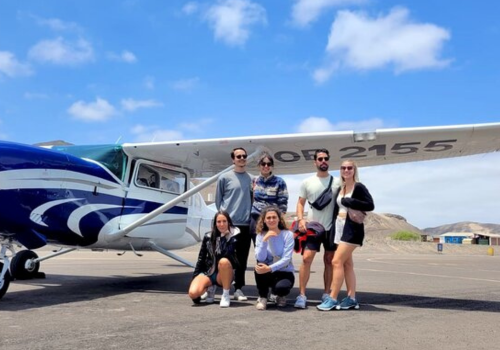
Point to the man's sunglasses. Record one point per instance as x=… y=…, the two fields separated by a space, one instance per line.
x=320 y=159
x=241 y=156
x=346 y=168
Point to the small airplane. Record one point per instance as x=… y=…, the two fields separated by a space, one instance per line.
x=140 y=196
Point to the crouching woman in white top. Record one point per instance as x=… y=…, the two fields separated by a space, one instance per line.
x=273 y=252
x=216 y=261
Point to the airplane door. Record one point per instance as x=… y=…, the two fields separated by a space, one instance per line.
x=152 y=185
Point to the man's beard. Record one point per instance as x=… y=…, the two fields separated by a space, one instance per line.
x=322 y=167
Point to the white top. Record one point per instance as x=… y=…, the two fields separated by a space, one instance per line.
x=310 y=189
x=343 y=209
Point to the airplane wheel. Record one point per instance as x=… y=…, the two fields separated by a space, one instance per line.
x=18 y=267
x=4 y=282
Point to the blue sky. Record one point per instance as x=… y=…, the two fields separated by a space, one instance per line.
x=102 y=71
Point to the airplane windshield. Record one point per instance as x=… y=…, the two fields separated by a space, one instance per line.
x=111 y=156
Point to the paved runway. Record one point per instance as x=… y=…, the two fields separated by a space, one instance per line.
x=93 y=300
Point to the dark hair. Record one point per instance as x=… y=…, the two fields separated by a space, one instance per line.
x=321 y=150
x=268 y=156
x=261 y=224
x=237 y=149
x=215 y=231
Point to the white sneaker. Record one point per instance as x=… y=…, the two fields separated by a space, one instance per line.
x=238 y=295
x=211 y=294
x=225 y=300
x=204 y=296
x=272 y=298
x=261 y=304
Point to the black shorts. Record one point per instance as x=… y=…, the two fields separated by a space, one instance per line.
x=314 y=242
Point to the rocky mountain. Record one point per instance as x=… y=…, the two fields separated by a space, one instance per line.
x=466 y=226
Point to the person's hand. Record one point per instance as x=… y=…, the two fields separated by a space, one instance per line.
x=302 y=225
x=269 y=234
x=261 y=268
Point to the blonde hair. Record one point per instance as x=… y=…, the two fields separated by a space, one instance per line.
x=354 y=168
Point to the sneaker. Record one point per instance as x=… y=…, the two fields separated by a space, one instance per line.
x=238 y=295
x=210 y=298
x=272 y=298
x=329 y=304
x=196 y=301
x=300 y=302
x=324 y=297
x=280 y=301
x=349 y=303
x=225 y=300
x=261 y=304
x=204 y=296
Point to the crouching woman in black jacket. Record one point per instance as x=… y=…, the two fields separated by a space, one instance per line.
x=216 y=261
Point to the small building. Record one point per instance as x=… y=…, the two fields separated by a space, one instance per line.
x=488 y=238
x=455 y=237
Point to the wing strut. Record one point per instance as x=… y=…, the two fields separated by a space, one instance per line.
x=168 y=253
x=114 y=236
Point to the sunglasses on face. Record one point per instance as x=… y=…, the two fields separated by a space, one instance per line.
x=346 y=168
x=320 y=159
x=241 y=156
x=266 y=164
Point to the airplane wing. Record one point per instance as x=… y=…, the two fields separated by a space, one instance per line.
x=293 y=152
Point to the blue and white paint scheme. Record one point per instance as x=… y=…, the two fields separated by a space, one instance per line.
x=140 y=196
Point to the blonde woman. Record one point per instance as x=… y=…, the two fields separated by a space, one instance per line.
x=273 y=253
x=349 y=235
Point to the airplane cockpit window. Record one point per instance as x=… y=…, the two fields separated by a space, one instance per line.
x=160 y=178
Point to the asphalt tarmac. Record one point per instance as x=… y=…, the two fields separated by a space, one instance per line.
x=98 y=300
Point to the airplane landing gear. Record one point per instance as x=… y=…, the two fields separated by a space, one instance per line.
x=24 y=266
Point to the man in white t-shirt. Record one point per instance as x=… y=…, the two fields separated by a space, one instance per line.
x=310 y=190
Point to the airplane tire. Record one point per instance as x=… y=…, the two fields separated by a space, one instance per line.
x=4 y=283
x=18 y=268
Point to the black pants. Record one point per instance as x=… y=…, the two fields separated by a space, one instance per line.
x=254 y=218
x=280 y=282
x=242 y=250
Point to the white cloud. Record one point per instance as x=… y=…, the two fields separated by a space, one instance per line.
x=320 y=124
x=98 y=111
x=130 y=105
x=231 y=20
x=154 y=133
x=57 y=24
x=124 y=56
x=430 y=193
x=11 y=67
x=197 y=126
x=306 y=11
x=186 y=84
x=60 y=51
x=190 y=8
x=359 y=42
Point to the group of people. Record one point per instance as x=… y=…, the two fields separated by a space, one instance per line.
x=251 y=209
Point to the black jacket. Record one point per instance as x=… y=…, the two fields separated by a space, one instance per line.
x=208 y=258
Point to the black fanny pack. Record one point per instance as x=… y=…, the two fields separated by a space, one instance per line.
x=325 y=198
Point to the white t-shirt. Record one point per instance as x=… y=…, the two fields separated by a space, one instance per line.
x=310 y=189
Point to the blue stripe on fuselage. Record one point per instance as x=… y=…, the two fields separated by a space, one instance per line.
x=18 y=204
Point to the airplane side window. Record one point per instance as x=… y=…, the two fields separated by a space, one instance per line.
x=160 y=178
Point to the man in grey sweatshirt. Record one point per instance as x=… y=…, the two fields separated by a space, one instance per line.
x=234 y=195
